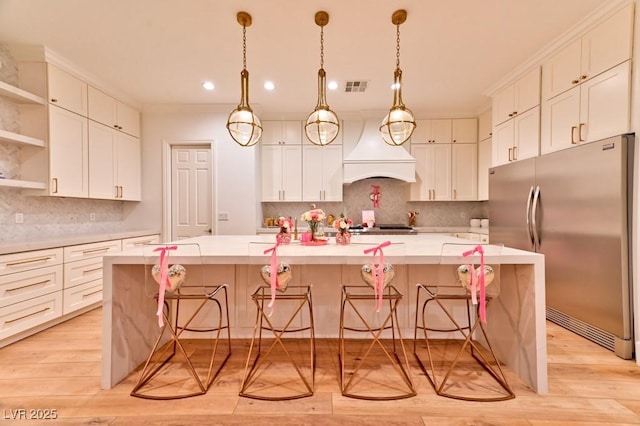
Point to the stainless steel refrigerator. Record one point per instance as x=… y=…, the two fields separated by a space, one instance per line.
x=573 y=206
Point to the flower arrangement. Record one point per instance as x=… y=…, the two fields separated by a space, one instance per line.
x=342 y=224
x=285 y=224
x=314 y=218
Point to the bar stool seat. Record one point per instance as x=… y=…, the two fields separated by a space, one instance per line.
x=371 y=310
x=456 y=308
x=207 y=312
x=281 y=311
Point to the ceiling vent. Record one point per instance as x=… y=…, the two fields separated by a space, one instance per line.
x=355 y=86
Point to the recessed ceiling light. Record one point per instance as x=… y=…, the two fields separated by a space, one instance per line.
x=333 y=85
x=269 y=85
x=208 y=85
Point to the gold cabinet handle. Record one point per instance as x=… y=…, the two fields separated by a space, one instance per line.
x=583 y=77
x=95 y=250
x=27 y=316
x=580 y=127
x=9 y=290
x=576 y=81
x=23 y=262
x=509 y=157
x=54 y=100
x=573 y=132
x=455 y=194
x=86 y=295
x=54 y=181
x=515 y=153
x=116 y=189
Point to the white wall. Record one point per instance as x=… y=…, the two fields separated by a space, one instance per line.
x=234 y=167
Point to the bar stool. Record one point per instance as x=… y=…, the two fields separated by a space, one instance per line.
x=459 y=302
x=186 y=303
x=281 y=310
x=372 y=309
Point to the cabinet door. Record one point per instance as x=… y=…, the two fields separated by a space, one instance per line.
x=422 y=132
x=608 y=44
x=292 y=173
x=68 y=154
x=128 y=167
x=464 y=172
x=102 y=174
x=292 y=132
x=102 y=107
x=441 y=131
x=67 y=91
x=312 y=173
x=527 y=135
x=605 y=104
x=526 y=92
x=502 y=143
x=128 y=119
x=440 y=159
x=503 y=105
x=464 y=130
x=282 y=132
x=271 y=162
x=562 y=71
x=420 y=190
x=332 y=172
x=560 y=117
x=484 y=163
x=271 y=133
x=484 y=125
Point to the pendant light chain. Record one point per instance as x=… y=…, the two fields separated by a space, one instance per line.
x=321 y=47
x=244 y=47
x=398 y=46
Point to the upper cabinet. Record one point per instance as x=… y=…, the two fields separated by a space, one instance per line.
x=66 y=91
x=517 y=98
x=113 y=113
x=281 y=132
x=432 y=131
x=484 y=125
x=464 y=130
x=600 y=49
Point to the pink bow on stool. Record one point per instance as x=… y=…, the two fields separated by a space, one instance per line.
x=164 y=272
x=478 y=280
x=379 y=272
x=273 y=276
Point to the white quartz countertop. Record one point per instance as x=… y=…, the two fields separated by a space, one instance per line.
x=418 y=229
x=409 y=249
x=70 y=240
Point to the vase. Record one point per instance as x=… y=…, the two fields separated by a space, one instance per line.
x=284 y=237
x=343 y=238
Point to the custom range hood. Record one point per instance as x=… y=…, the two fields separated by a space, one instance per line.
x=372 y=157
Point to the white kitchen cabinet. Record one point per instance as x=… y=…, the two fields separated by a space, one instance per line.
x=464 y=130
x=107 y=110
x=598 y=108
x=66 y=91
x=464 y=172
x=433 y=172
x=288 y=132
x=322 y=173
x=281 y=172
x=517 y=98
x=68 y=154
x=114 y=164
x=484 y=164
x=517 y=139
x=600 y=49
x=485 y=127
x=432 y=131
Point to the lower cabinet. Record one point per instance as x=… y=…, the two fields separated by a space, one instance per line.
x=40 y=288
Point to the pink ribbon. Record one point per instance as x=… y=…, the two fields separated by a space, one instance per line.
x=379 y=272
x=164 y=272
x=375 y=196
x=273 y=271
x=480 y=282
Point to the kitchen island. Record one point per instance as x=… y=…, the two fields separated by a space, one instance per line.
x=516 y=318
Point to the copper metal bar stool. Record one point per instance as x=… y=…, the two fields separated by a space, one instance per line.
x=373 y=309
x=280 y=314
x=207 y=312
x=457 y=313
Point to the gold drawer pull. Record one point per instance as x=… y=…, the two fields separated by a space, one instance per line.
x=24 y=262
x=141 y=243
x=95 y=250
x=87 y=295
x=27 y=286
x=27 y=316
x=88 y=271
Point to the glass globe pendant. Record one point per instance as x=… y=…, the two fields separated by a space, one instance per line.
x=322 y=125
x=243 y=125
x=398 y=125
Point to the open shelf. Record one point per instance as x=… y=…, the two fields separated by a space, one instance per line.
x=18 y=139
x=18 y=95
x=24 y=184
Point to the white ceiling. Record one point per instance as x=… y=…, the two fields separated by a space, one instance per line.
x=160 y=51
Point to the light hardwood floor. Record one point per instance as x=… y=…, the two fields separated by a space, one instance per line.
x=59 y=369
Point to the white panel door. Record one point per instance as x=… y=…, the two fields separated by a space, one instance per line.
x=560 y=116
x=68 y=154
x=332 y=172
x=128 y=167
x=502 y=145
x=527 y=135
x=190 y=191
x=292 y=172
x=464 y=172
x=439 y=157
x=102 y=173
x=312 y=175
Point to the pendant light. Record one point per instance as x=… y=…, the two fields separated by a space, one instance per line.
x=322 y=125
x=399 y=124
x=243 y=125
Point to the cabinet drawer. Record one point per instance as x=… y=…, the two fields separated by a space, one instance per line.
x=21 y=286
x=87 y=251
x=81 y=295
x=28 y=314
x=82 y=271
x=134 y=242
x=18 y=262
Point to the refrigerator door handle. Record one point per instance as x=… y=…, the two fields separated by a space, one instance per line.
x=534 y=226
x=529 y=231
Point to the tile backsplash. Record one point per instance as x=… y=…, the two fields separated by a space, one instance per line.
x=394 y=206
